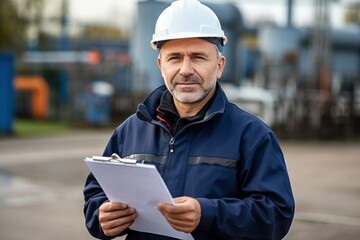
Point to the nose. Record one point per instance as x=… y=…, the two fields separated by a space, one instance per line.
x=186 y=68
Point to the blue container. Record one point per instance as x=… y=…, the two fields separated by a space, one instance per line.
x=7 y=92
x=98 y=99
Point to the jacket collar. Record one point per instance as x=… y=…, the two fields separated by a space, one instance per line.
x=147 y=110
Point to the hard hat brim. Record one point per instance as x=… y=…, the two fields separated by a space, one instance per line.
x=183 y=35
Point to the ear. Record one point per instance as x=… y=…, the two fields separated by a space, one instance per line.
x=159 y=61
x=220 y=66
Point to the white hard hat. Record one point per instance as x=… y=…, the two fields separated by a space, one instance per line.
x=187 y=19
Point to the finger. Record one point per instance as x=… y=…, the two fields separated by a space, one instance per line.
x=181 y=208
x=179 y=219
x=116 y=227
x=111 y=206
x=183 y=219
x=179 y=222
x=183 y=226
x=180 y=200
x=162 y=206
x=184 y=215
x=108 y=216
x=114 y=223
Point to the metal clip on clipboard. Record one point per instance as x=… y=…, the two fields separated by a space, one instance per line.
x=115 y=158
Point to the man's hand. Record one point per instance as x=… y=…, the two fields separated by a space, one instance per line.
x=115 y=217
x=184 y=215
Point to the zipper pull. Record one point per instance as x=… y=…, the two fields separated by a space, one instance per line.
x=171 y=145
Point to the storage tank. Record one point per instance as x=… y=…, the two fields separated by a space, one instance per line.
x=145 y=72
x=275 y=41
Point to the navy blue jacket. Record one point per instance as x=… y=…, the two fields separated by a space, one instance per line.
x=230 y=161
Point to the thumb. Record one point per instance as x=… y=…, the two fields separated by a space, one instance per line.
x=162 y=205
x=180 y=200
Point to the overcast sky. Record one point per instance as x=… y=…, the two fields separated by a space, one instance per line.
x=121 y=12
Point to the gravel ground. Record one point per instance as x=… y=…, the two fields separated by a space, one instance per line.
x=41 y=182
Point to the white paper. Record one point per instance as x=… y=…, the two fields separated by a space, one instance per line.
x=141 y=187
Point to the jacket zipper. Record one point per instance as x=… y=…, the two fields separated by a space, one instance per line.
x=172 y=138
x=171 y=144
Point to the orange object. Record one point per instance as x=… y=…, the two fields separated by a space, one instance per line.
x=94 y=57
x=39 y=94
x=325 y=80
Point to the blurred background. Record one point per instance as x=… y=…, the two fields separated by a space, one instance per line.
x=295 y=64
x=72 y=70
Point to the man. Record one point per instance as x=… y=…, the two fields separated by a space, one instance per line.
x=223 y=166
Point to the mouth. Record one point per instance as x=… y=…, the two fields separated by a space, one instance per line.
x=187 y=86
x=187 y=83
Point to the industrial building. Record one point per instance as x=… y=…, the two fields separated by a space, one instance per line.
x=300 y=81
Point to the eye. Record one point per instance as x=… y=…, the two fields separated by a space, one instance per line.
x=199 y=57
x=173 y=58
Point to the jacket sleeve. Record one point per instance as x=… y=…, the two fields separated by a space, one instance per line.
x=265 y=207
x=94 y=196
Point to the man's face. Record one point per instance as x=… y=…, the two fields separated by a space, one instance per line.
x=190 y=68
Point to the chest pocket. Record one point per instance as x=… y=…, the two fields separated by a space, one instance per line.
x=211 y=177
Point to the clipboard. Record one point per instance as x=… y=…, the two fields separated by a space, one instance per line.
x=138 y=185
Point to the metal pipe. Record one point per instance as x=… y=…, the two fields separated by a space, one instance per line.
x=290 y=4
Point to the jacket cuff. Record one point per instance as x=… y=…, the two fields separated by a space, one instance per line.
x=207 y=214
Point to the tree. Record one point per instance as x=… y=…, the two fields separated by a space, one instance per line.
x=11 y=25
x=101 y=31
x=18 y=19
x=352 y=14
